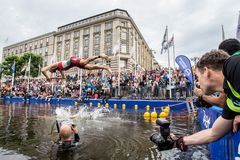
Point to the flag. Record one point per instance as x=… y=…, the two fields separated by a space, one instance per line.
x=186 y=67
x=13 y=71
x=29 y=65
x=238 y=28
x=171 y=42
x=223 y=34
x=13 y=67
x=165 y=41
x=24 y=68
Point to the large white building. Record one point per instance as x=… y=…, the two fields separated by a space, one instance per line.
x=113 y=33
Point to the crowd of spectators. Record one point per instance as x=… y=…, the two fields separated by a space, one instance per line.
x=145 y=85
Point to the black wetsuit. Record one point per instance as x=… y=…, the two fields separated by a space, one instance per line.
x=231 y=71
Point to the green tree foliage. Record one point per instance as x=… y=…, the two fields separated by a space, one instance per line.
x=7 y=65
x=22 y=63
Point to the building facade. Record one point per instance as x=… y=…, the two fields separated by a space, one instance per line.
x=113 y=33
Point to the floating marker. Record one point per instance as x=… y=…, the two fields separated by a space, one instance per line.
x=147 y=107
x=106 y=105
x=115 y=106
x=136 y=107
x=123 y=106
x=90 y=104
x=162 y=115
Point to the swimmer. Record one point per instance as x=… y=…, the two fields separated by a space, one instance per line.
x=74 y=62
x=65 y=136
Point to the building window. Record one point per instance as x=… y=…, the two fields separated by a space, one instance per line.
x=76 y=47
x=97 y=28
x=67 y=36
x=108 y=25
x=85 y=52
x=59 y=38
x=25 y=48
x=123 y=48
x=46 y=51
x=96 y=39
x=86 y=31
x=59 y=48
x=76 y=34
x=40 y=51
x=47 y=41
x=109 y=50
x=124 y=35
x=96 y=51
x=86 y=41
x=108 y=37
x=67 y=45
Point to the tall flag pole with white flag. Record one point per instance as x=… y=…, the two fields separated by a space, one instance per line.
x=172 y=44
x=169 y=69
x=238 y=27
x=165 y=41
x=28 y=70
x=223 y=34
x=165 y=46
x=13 y=74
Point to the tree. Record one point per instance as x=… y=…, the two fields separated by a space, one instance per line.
x=21 y=62
x=7 y=65
x=36 y=62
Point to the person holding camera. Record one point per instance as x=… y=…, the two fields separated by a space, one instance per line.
x=230 y=46
x=217 y=72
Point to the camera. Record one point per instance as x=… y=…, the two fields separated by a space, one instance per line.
x=161 y=139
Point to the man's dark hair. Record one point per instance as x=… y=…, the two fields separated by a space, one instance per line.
x=230 y=46
x=213 y=60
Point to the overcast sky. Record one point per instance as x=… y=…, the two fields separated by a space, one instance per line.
x=196 y=24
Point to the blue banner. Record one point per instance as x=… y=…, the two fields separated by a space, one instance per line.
x=186 y=67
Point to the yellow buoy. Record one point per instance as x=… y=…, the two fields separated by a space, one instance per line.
x=166 y=110
x=123 y=106
x=106 y=105
x=154 y=115
x=98 y=105
x=136 y=107
x=147 y=107
x=115 y=106
x=146 y=115
x=90 y=104
x=75 y=103
x=162 y=115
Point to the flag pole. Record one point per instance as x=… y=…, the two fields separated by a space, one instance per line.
x=223 y=34
x=174 y=56
x=13 y=74
x=238 y=28
x=29 y=65
x=80 y=77
x=169 y=69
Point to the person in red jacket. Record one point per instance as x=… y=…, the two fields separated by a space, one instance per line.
x=62 y=66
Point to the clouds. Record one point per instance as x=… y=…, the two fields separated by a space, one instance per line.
x=195 y=24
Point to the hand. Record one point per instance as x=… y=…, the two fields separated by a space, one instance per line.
x=74 y=129
x=236 y=122
x=198 y=91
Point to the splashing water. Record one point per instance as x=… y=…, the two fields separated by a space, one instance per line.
x=71 y=115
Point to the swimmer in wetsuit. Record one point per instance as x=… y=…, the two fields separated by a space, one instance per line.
x=74 y=62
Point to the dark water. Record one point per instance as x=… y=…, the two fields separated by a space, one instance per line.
x=25 y=133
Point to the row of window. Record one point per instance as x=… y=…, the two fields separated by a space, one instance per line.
x=86 y=31
x=91 y=19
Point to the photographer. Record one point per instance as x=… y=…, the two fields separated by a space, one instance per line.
x=217 y=72
x=230 y=46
